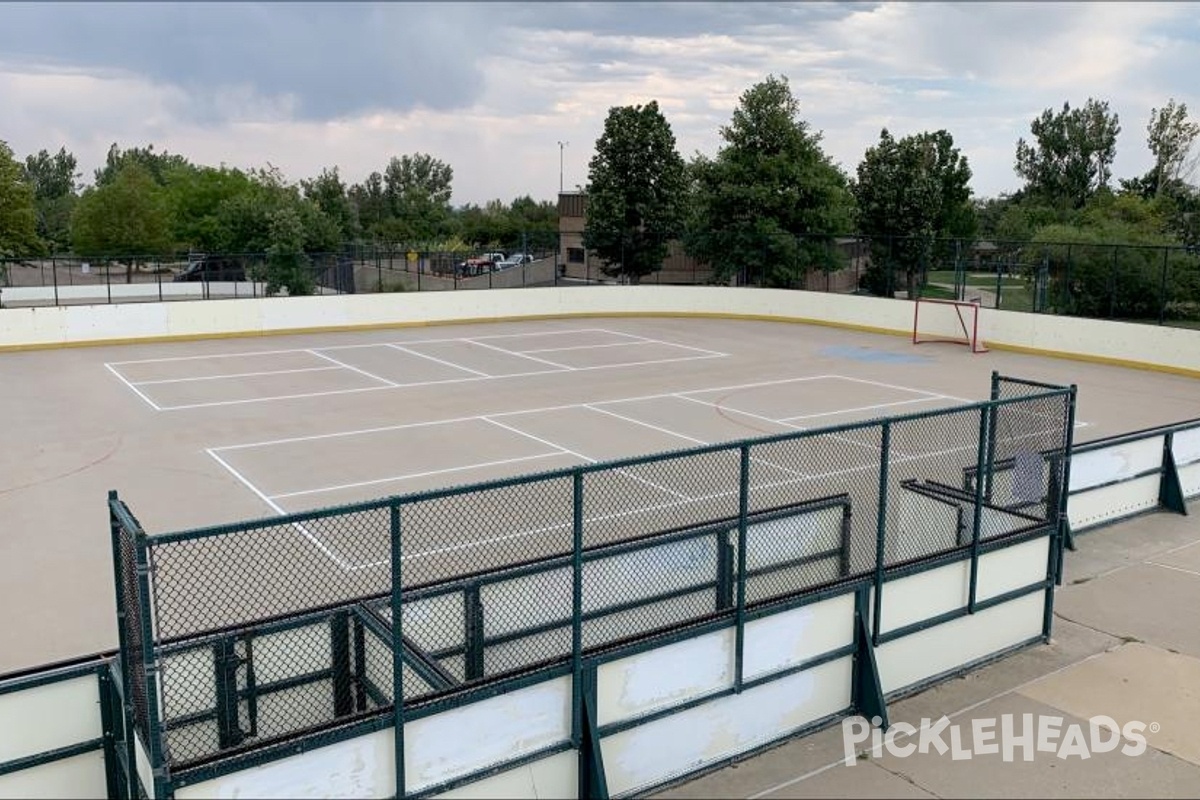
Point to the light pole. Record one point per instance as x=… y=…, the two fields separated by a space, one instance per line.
x=561 y=145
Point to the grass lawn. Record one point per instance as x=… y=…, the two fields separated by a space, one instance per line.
x=981 y=279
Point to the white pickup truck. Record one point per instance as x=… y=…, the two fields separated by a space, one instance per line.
x=515 y=260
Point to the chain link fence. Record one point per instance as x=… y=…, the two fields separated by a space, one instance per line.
x=1140 y=283
x=268 y=630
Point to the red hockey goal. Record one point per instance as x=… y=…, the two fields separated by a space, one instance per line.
x=954 y=321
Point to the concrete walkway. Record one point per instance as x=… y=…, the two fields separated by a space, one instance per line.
x=1126 y=645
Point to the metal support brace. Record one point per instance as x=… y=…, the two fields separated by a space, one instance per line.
x=592 y=781
x=1170 y=490
x=866 y=691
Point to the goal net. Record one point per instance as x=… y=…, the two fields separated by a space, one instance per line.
x=954 y=321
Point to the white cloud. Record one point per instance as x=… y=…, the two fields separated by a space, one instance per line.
x=980 y=70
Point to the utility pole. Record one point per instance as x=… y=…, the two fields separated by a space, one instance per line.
x=561 y=145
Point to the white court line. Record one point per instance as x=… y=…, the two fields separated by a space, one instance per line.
x=443 y=362
x=1191 y=572
x=410 y=475
x=344 y=347
x=649 y=425
x=320 y=545
x=520 y=355
x=234 y=375
x=751 y=414
x=132 y=388
x=580 y=347
x=837 y=436
x=563 y=407
x=588 y=459
x=415 y=384
x=683 y=436
x=901 y=388
x=865 y=408
x=444 y=340
x=660 y=341
x=372 y=376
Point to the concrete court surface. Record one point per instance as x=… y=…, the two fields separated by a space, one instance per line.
x=1125 y=645
x=215 y=431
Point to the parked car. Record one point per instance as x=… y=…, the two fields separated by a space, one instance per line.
x=213 y=269
x=515 y=260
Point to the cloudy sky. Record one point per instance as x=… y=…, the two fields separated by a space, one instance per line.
x=492 y=88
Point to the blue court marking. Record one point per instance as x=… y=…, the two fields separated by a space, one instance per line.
x=874 y=356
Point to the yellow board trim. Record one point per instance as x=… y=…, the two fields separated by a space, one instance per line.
x=191 y=337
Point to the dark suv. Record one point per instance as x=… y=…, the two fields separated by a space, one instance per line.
x=214 y=269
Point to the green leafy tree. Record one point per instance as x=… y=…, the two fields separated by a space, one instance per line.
x=18 y=213
x=126 y=218
x=636 y=185
x=370 y=204
x=1071 y=156
x=1170 y=136
x=536 y=223
x=158 y=165
x=416 y=192
x=769 y=202
x=1098 y=271
x=287 y=264
x=195 y=195
x=328 y=193
x=244 y=218
x=53 y=178
x=913 y=197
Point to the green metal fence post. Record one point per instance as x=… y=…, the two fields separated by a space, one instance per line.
x=592 y=781
x=340 y=660
x=1060 y=536
x=127 y=709
x=1064 y=538
x=1112 y=285
x=991 y=439
x=159 y=768
x=725 y=579
x=982 y=470
x=577 y=610
x=743 y=511
x=885 y=446
x=397 y=648
x=473 y=633
x=115 y=780
x=1162 y=289
x=225 y=669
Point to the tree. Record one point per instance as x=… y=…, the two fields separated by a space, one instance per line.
x=18 y=215
x=287 y=265
x=245 y=219
x=370 y=204
x=1170 y=136
x=127 y=217
x=1072 y=156
x=770 y=200
x=636 y=184
x=328 y=193
x=912 y=193
x=53 y=178
x=416 y=193
x=158 y=165
x=195 y=196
